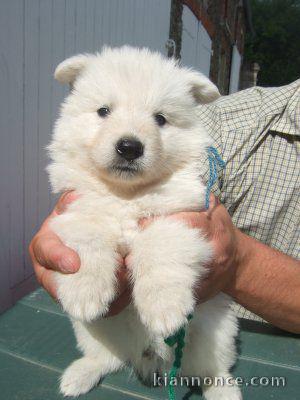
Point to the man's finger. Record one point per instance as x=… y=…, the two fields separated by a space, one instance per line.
x=46 y=279
x=145 y=222
x=194 y=219
x=66 y=199
x=60 y=207
x=51 y=253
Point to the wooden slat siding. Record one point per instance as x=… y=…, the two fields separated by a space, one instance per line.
x=70 y=15
x=80 y=26
x=102 y=25
x=5 y=297
x=137 y=22
x=26 y=286
x=114 y=18
x=98 y=25
x=90 y=25
x=35 y=35
x=31 y=132
x=15 y=146
x=58 y=54
x=45 y=79
x=132 y=17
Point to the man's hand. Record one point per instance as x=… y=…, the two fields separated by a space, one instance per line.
x=49 y=254
x=260 y=278
x=215 y=223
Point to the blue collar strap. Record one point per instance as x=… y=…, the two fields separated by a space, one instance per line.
x=215 y=161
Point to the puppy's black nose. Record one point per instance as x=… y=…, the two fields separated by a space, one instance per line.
x=129 y=148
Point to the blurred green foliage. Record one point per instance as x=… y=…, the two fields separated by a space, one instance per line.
x=276 y=42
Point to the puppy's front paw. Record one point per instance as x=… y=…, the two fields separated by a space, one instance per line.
x=85 y=297
x=167 y=323
x=162 y=316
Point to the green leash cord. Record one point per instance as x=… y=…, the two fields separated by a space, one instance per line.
x=177 y=339
x=215 y=161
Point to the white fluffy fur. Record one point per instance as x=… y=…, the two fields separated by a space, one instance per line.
x=168 y=257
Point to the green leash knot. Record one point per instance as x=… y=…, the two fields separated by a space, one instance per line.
x=176 y=339
x=215 y=161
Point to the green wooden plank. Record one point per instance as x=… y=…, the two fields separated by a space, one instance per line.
x=23 y=380
x=41 y=300
x=38 y=335
x=270 y=388
x=267 y=343
x=35 y=329
x=256 y=341
x=48 y=339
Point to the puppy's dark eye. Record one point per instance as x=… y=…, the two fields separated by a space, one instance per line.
x=160 y=119
x=103 y=112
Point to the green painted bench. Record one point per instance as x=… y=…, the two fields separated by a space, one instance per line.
x=37 y=343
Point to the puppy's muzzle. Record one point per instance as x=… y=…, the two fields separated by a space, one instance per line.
x=129 y=148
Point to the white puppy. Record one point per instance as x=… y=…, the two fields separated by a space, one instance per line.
x=128 y=140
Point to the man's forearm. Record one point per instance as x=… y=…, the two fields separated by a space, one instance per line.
x=267 y=282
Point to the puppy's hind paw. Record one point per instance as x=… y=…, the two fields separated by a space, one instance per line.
x=80 y=377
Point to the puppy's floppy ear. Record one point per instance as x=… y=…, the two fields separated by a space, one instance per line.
x=68 y=70
x=202 y=89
